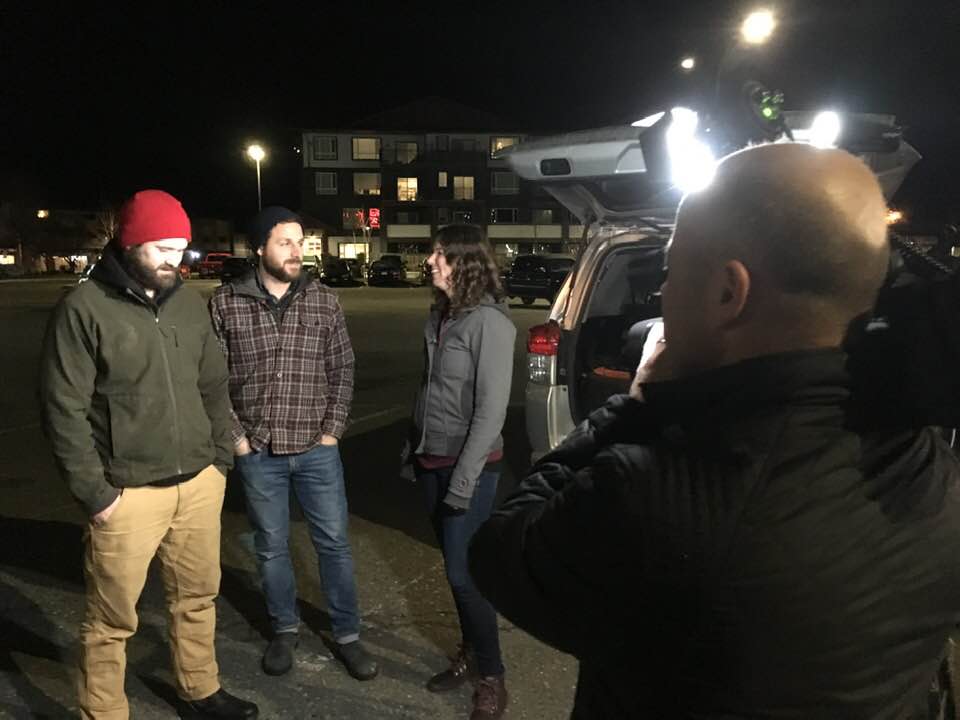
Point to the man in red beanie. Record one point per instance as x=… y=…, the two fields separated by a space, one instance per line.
x=135 y=403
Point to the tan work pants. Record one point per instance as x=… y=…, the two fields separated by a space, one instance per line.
x=180 y=525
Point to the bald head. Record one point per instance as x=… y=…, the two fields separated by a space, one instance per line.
x=803 y=226
x=808 y=223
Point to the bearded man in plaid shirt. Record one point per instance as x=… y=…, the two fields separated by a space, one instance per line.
x=291 y=384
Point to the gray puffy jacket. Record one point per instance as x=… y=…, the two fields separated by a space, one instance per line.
x=465 y=390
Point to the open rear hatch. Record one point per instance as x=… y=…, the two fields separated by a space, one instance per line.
x=619 y=182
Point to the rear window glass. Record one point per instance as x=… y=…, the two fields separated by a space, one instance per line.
x=628 y=283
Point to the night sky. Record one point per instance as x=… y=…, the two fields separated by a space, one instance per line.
x=95 y=104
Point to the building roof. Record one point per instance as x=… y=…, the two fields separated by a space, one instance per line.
x=432 y=114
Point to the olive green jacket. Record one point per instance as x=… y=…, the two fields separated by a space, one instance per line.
x=133 y=391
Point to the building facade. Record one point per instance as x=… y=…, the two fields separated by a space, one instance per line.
x=388 y=191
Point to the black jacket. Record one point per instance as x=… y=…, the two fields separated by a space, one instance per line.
x=729 y=549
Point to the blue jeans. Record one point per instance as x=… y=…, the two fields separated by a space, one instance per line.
x=316 y=477
x=478 y=619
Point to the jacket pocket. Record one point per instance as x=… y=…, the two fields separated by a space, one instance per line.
x=456 y=364
x=141 y=427
x=310 y=334
x=189 y=342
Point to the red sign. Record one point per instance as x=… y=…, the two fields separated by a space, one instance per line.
x=374 y=215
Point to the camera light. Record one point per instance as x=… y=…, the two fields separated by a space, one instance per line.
x=692 y=161
x=825 y=130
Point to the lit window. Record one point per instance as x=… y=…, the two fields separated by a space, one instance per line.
x=358 y=251
x=325 y=148
x=406 y=189
x=442 y=179
x=407 y=152
x=366 y=148
x=463 y=187
x=499 y=143
x=504 y=183
x=366 y=183
x=543 y=217
x=503 y=215
x=326 y=183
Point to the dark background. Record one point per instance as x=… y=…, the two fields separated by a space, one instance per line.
x=99 y=101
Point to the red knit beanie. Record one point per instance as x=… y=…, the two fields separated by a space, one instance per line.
x=152 y=215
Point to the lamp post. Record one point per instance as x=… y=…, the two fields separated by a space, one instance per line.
x=257 y=153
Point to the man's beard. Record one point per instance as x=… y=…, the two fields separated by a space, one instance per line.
x=158 y=278
x=284 y=272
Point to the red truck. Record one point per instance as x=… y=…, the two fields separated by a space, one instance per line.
x=210 y=266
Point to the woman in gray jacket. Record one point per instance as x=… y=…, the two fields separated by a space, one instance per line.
x=460 y=409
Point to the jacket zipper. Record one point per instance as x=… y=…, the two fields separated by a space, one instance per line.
x=169 y=375
x=170 y=389
x=432 y=356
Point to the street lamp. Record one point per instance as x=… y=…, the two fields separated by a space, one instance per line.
x=758 y=27
x=257 y=153
x=688 y=63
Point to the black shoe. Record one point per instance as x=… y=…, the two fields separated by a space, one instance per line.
x=462 y=668
x=278 y=658
x=359 y=663
x=219 y=705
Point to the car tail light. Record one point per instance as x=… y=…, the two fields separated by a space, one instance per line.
x=544 y=339
x=543 y=343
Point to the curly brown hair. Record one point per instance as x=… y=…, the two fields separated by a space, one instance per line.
x=474 y=271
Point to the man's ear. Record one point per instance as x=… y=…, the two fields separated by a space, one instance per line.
x=734 y=291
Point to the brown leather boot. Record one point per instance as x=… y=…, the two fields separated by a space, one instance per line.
x=489 y=698
x=462 y=668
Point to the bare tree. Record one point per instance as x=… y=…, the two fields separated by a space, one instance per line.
x=105 y=227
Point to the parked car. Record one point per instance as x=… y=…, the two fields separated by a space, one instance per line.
x=426 y=273
x=333 y=271
x=210 y=266
x=388 y=270
x=233 y=268
x=587 y=349
x=536 y=276
x=184 y=271
x=10 y=271
x=357 y=268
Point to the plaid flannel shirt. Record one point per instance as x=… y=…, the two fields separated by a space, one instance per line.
x=292 y=382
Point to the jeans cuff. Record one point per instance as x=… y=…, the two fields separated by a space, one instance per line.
x=346 y=639
x=293 y=629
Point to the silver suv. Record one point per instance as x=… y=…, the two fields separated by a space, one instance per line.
x=616 y=181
